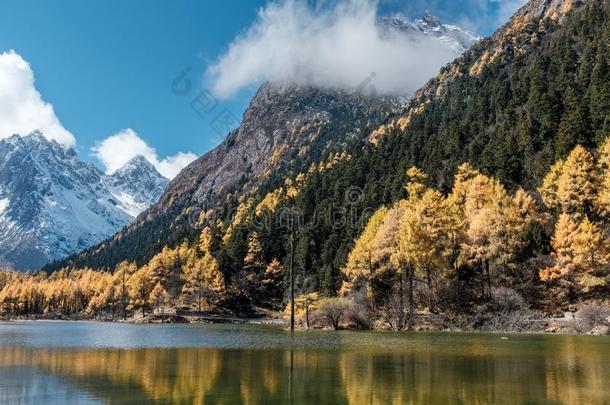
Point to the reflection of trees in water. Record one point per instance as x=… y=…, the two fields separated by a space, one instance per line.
x=561 y=369
x=568 y=369
x=572 y=379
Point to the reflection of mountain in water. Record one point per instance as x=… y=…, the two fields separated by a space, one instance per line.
x=25 y=385
x=556 y=370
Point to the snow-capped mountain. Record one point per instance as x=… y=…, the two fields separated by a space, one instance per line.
x=136 y=185
x=454 y=37
x=52 y=204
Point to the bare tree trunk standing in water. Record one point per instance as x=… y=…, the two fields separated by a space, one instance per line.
x=411 y=301
x=307 y=311
x=291 y=274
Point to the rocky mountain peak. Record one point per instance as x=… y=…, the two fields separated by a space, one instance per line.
x=138 y=166
x=456 y=38
x=516 y=37
x=430 y=19
x=53 y=204
x=136 y=185
x=137 y=163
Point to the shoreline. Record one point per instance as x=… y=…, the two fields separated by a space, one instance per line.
x=553 y=325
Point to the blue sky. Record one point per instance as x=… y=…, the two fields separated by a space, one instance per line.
x=109 y=65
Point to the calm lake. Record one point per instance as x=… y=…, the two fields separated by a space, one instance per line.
x=94 y=363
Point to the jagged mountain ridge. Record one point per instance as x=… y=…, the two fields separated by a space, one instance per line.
x=454 y=37
x=284 y=129
x=136 y=185
x=53 y=204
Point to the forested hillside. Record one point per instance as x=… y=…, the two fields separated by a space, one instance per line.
x=544 y=93
x=284 y=130
x=519 y=101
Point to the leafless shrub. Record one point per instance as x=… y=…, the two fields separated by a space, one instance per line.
x=506 y=300
x=507 y=311
x=331 y=311
x=395 y=312
x=516 y=321
x=590 y=316
x=450 y=321
x=359 y=312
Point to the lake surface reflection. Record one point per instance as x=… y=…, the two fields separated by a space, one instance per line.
x=63 y=363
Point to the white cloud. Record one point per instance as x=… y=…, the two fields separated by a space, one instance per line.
x=172 y=165
x=22 y=109
x=328 y=46
x=116 y=150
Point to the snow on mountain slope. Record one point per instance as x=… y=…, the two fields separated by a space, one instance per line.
x=136 y=185
x=52 y=204
x=454 y=37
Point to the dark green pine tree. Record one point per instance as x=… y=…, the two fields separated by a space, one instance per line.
x=574 y=127
x=254 y=262
x=599 y=95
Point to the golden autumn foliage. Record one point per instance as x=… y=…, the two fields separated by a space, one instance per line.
x=571 y=185
x=304 y=306
x=564 y=237
x=427 y=238
x=159 y=297
x=203 y=282
x=292 y=186
x=360 y=262
x=577 y=188
x=187 y=275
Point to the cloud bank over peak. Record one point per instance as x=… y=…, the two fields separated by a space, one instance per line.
x=336 y=45
x=22 y=109
x=118 y=149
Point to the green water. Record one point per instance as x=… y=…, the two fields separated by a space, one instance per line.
x=91 y=363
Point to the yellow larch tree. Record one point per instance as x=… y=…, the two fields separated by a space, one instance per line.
x=361 y=263
x=563 y=242
x=590 y=248
x=548 y=190
x=416 y=185
x=577 y=184
x=430 y=238
x=272 y=282
x=203 y=281
x=386 y=239
x=159 y=297
x=163 y=268
x=515 y=214
x=483 y=202
x=122 y=273
x=139 y=287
